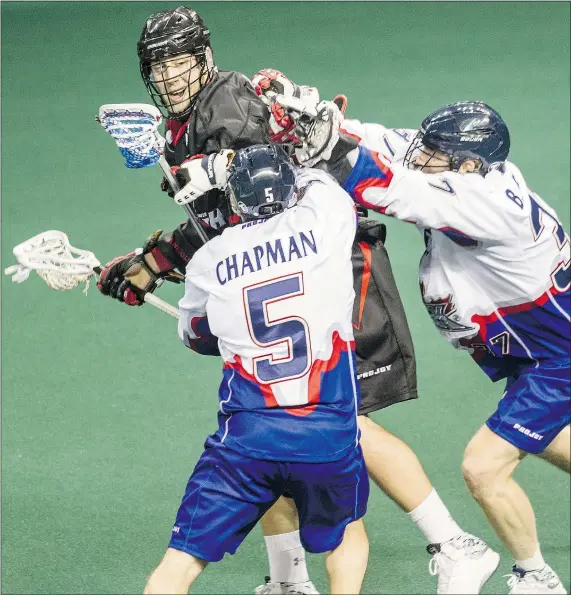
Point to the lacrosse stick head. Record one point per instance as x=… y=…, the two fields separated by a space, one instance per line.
x=56 y=261
x=134 y=127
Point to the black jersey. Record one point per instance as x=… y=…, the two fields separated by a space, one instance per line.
x=227 y=115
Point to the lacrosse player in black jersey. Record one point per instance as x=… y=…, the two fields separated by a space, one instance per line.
x=210 y=113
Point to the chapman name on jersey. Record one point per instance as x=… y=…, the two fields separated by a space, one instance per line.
x=496 y=273
x=270 y=291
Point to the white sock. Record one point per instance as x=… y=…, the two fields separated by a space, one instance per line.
x=434 y=520
x=536 y=562
x=287 y=558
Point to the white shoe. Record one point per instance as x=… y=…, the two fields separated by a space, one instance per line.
x=268 y=588
x=534 y=581
x=305 y=588
x=463 y=564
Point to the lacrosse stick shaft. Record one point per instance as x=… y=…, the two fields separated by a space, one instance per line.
x=171 y=179
x=155 y=301
x=161 y=305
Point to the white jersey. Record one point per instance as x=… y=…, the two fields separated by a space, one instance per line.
x=495 y=276
x=278 y=295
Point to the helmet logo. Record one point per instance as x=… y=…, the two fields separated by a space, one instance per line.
x=473 y=123
x=158 y=44
x=473 y=137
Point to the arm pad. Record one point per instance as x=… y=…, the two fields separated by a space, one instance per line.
x=174 y=249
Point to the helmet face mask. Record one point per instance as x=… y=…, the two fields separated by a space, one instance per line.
x=427 y=159
x=460 y=132
x=261 y=183
x=176 y=81
x=175 y=60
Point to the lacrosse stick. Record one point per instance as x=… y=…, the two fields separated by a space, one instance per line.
x=133 y=126
x=64 y=267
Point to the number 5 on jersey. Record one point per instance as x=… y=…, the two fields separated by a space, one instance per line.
x=288 y=334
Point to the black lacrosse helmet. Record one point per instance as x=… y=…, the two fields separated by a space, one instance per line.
x=166 y=35
x=464 y=130
x=261 y=182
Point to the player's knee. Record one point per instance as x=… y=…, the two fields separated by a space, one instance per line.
x=481 y=475
x=154 y=584
x=176 y=573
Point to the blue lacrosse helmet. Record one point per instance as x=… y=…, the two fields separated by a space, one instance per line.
x=261 y=182
x=464 y=130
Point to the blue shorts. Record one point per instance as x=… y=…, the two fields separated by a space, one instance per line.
x=535 y=407
x=228 y=493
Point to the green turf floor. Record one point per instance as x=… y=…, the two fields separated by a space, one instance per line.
x=104 y=412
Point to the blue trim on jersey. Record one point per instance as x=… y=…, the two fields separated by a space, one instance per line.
x=458 y=237
x=248 y=425
x=365 y=168
x=542 y=329
x=205 y=343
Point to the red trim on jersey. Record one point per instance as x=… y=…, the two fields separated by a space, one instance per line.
x=265 y=389
x=177 y=129
x=373 y=183
x=357 y=138
x=318 y=367
x=483 y=321
x=366 y=250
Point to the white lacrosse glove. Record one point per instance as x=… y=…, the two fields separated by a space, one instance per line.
x=318 y=134
x=202 y=173
x=268 y=83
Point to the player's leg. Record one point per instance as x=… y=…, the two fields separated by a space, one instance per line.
x=532 y=412
x=175 y=574
x=488 y=464
x=384 y=452
x=226 y=495
x=353 y=552
x=342 y=489
x=387 y=375
x=558 y=453
x=286 y=556
x=462 y=561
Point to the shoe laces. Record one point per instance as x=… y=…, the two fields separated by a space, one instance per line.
x=464 y=545
x=298 y=588
x=513 y=579
x=518 y=577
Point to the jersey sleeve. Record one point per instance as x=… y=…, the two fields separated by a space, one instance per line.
x=456 y=204
x=193 y=327
x=237 y=118
x=392 y=143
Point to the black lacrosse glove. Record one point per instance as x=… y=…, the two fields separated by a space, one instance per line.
x=131 y=290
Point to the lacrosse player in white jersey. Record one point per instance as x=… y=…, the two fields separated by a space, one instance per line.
x=462 y=561
x=273 y=295
x=495 y=279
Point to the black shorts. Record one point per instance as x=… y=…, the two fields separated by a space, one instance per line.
x=386 y=365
